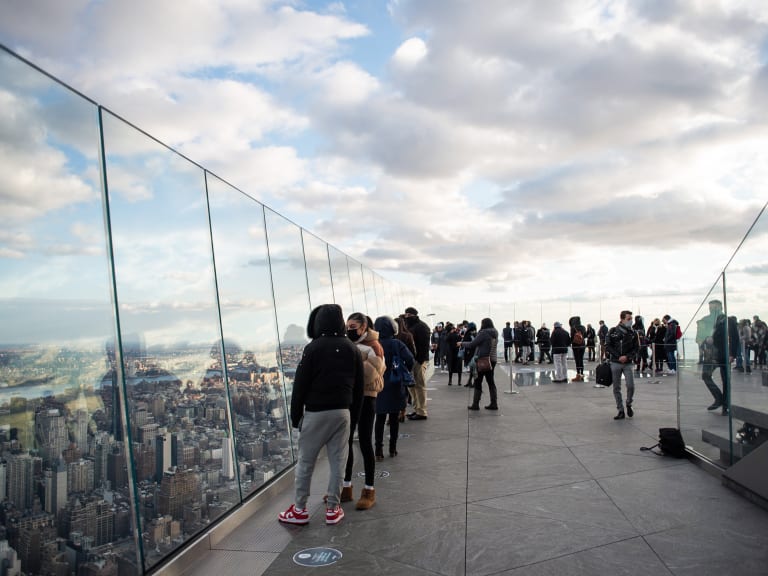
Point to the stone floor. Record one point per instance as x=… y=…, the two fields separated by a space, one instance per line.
x=549 y=484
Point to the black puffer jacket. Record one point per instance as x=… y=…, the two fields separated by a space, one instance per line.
x=330 y=373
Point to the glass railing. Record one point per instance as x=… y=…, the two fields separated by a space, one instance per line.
x=151 y=320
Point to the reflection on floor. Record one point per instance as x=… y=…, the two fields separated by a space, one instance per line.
x=549 y=484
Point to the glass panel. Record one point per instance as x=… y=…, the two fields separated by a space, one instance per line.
x=63 y=461
x=177 y=401
x=318 y=270
x=746 y=307
x=289 y=284
x=342 y=289
x=358 y=289
x=370 y=293
x=263 y=445
x=700 y=384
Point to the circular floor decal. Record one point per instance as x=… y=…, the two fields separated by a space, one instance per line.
x=317 y=557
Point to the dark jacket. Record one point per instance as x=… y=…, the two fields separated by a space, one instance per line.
x=484 y=344
x=542 y=338
x=421 y=337
x=576 y=325
x=560 y=340
x=392 y=398
x=622 y=341
x=330 y=373
x=452 y=354
x=718 y=336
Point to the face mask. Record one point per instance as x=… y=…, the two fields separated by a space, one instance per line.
x=628 y=324
x=353 y=335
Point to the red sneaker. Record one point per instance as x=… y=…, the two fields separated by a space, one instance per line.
x=334 y=515
x=294 y=516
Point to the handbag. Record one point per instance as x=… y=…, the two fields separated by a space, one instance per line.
x=483 y=364
x=398 y=372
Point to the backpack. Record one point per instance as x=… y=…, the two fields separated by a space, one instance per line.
x=670 y=442
x=398 y=372
x=603 y=374
x=578 y=338
x=678 y=333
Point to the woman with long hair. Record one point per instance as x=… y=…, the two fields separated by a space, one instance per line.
x=484 y=345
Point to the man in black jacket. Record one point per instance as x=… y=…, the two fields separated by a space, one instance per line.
x=421 y=337
x=622 y=347
x=714 y=355
x=327 y=388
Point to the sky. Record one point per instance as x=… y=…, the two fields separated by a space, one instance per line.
x=530 y=158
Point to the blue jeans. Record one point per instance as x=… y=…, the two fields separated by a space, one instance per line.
x=672 y=359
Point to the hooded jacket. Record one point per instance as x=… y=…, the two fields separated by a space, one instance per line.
x=484 y=344
x=330 y=374
x=373 y=362
x=393 y=397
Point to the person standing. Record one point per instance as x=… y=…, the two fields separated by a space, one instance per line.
x=560 y=341
x=670 y=343
x=621 y=346
x=391 y=400
x=602 y=332
x=578 y=345
x=452 y=340
x=659 y=348
x=327 y=389
x=484 y=345
x=526 y=341
x=591 y=336
x=421 y=337
x=509 y=340
x=543 y=340
x=717 y=352
x=360 y=331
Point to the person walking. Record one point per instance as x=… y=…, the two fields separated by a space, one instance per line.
x=484 y=345
x=560 y=341
x=621 y=346
x=327 y=390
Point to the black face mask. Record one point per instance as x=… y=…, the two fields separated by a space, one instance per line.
x=353 y=335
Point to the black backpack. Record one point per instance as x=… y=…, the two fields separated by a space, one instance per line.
x=670 y=442
x=603 y=374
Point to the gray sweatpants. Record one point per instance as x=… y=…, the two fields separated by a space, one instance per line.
x=329 y=428
x=617 y=369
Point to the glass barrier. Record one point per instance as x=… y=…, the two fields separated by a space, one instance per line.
x=702 y=378
x=371 y=300
x=260 y=420
x=358 y=287
x=289 y=286
x=178 y=405
x=318 y=270
x=342 y=288
x=746 y=308
x=64 y=472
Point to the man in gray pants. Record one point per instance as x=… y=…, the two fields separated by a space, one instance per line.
x=622 y=347
x=327 y=387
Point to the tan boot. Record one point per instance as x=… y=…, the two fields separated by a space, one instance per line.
x=346 y=494
x=367 y=499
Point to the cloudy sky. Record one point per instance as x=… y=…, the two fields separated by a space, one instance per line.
x=485 y=153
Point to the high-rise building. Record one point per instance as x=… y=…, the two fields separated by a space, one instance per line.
x=3 y=481
x=227 y=459
x=80 y=477
x=55 y=488
x=20 y=479
x=50 y=434
x=80 y=430
x=163 y=454
x=177 y=488
x=10 y=563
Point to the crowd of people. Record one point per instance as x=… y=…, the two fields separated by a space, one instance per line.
x=358 y=376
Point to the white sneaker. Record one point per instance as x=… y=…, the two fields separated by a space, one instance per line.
x=670 y=373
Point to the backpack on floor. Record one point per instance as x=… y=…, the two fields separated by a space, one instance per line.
x=603 y=374
x=670 y=443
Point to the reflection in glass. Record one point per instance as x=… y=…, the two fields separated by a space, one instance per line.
x=342 y=289
x=289 y=285
x=318 y=270
x=370 y=293
x=263 y=444
x=63 y=472
x=178 y=405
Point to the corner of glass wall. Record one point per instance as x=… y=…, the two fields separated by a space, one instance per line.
x=702 y=380
x=746 y=308
x=64 y=472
